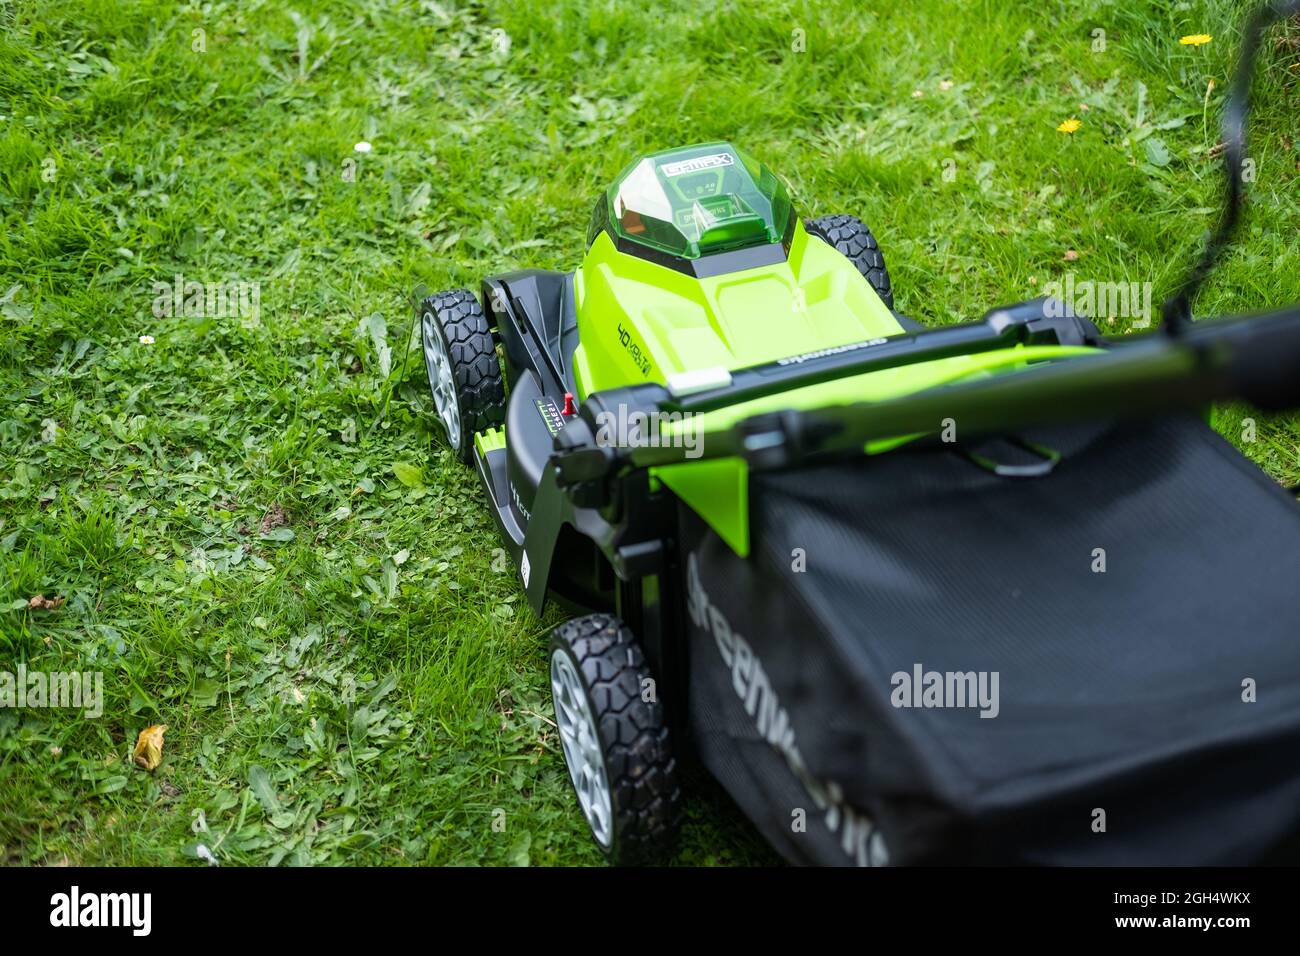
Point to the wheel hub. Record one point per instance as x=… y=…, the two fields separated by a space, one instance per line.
x=581 y=743
x=441 y=379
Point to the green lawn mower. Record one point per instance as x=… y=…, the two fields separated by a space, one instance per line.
x=989 y=592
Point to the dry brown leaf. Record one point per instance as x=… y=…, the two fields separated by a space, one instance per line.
x=148 y=748
x=276 y=517
x=39 y=602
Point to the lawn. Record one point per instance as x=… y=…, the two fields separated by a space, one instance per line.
x=240 y=505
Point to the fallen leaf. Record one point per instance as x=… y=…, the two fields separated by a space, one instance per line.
x=39 y=602
x=275 y=518
x=409 y=475
x=148 y=748
x=1070 y=255
x=1196 y=39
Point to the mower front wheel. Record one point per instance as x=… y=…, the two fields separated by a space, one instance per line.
x=461 y=361
x=615 y=740
x=850 y=237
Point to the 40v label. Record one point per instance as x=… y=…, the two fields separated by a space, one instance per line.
x=639 y=358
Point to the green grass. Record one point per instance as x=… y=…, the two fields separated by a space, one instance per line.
x=371 y=654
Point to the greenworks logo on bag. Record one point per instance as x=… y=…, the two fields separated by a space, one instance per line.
x=859 y=837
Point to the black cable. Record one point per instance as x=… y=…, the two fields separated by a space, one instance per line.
x=1177 y=310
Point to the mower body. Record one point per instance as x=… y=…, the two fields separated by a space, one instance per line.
x=776 y=609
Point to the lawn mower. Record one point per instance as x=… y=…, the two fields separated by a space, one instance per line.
x=991 y=592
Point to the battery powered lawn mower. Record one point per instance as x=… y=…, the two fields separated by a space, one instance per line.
x=988 y=592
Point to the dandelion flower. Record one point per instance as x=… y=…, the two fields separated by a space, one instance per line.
x=1196 y=39
x=1069 y=126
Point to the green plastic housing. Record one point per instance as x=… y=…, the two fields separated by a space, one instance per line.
x=640 y=320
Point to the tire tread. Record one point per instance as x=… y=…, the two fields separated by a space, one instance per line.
x=638 y=754
x=852 y=239
x=480 y=390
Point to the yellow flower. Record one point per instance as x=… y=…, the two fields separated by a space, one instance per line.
x=1196 y=39
x=1069 y=126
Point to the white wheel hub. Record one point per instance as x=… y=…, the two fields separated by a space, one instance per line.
x=581 y=743
x=441 y=378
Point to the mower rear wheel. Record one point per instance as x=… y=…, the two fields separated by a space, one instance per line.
x=615 y=740
x=852 y=239
x=461 y=361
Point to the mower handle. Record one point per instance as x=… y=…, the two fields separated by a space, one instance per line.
x=1263 y=367
x=1254 y=358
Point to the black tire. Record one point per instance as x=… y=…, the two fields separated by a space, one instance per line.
x=632 y=737
x=454 y=322
x=851 y=237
